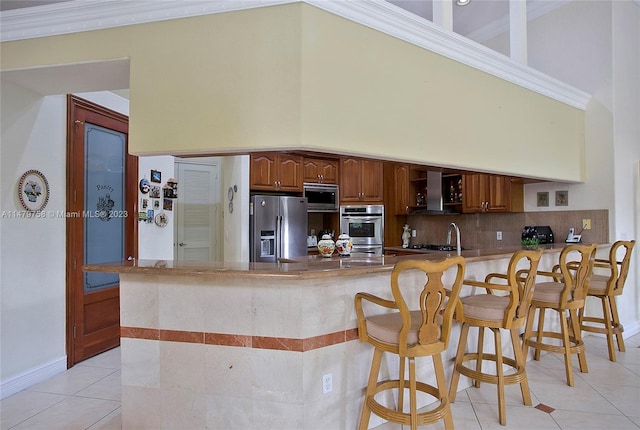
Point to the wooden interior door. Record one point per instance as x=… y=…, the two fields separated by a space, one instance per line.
x=101 y=224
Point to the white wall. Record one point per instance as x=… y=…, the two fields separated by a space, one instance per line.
x=32 y=251
x=236 y=224
x=154 y=242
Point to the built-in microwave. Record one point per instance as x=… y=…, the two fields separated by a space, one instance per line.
x=322 y=197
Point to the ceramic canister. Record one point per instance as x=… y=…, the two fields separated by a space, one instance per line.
x=326 y=246
x=344 y=245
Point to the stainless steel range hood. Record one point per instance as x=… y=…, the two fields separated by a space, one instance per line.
x=435 y=199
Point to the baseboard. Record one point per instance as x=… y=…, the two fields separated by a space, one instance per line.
x=32 y=377
x=630 y=329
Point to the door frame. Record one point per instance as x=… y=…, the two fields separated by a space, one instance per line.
x=131 y=175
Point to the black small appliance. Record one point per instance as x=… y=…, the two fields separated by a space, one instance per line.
x=542 y=232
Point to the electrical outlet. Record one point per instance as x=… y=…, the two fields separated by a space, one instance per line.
x=586 y=223
x=499 y=235
x=327 y=383
x=414 y=233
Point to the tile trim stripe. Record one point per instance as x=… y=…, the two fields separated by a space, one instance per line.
x=242 y=341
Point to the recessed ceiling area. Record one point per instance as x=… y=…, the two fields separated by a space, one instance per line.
x=73 y=78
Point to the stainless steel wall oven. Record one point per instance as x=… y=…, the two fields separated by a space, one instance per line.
x=365 y=225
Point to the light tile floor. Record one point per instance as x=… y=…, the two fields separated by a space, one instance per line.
x=88 y=396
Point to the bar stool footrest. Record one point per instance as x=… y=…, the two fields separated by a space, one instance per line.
x=428 y=417
x=511 y=378
x=575 y=348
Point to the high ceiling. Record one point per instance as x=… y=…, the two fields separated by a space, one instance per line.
x=468 y=18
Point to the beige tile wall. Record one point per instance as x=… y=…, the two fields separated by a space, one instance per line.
x=479 y=230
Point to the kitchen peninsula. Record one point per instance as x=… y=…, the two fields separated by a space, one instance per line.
x=246 y=345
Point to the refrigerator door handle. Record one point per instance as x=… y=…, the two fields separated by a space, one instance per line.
x=278 y=250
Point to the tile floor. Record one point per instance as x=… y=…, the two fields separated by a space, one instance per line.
x=88 y=396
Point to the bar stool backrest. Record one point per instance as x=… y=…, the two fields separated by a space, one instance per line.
x=619 y=268
x=576 y=274
x=436 y=318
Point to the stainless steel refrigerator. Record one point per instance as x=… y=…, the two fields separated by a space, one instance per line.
x=278 y=227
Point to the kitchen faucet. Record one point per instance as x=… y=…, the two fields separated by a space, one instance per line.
x=454 y=226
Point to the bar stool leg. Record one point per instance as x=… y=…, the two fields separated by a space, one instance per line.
x=540 y=333
x=455 y=376
x=371 y=386
x=577 y=334
x=616 y=323
x=480 y=350
x=442 y=389
x=528 y=329
x=606 y=315
x=413 y=410
x=521 y=361
x=401 y=370
x=502 y=413
x=567 y=348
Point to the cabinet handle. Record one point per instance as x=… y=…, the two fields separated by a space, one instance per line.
x=406 y=209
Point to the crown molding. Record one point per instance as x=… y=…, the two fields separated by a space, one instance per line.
x=84 y=15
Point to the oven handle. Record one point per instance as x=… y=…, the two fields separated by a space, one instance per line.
x=361 y=218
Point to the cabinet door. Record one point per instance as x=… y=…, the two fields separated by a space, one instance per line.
x=372 y=181
x=473 y=194
x=312 y=170
x=329 y=171
x=319 y=170
x=289 y=173
x=401 y=183
x=350 y=180
x=499 y=193
x=263 y=171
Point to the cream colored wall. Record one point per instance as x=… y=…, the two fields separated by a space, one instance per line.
x=367 y=93
x=293 y=76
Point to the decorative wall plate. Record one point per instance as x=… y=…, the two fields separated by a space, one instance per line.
x=145 y=186
x=161 y=219
x=33 y=190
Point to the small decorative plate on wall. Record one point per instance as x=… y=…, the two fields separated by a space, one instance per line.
x=33 y=190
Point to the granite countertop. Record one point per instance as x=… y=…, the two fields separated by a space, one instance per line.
x=312 y=266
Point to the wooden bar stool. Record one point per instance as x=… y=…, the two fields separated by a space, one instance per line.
x=565 y=294
x=410 y=334
x=606 y=288
x=506 y=310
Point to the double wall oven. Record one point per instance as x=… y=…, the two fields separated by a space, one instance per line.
x=365 y=225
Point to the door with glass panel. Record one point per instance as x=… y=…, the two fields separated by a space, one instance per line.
x=101 y=227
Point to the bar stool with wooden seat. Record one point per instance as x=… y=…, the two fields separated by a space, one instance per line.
x=606 y=287
x=410 y=334
x=566 y=293
x=506 y=310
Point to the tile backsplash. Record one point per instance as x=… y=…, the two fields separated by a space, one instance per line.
x=479 y=230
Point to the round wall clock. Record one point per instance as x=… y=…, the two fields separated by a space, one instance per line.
x=33 y=190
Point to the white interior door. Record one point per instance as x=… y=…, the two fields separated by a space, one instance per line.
x=197 y=212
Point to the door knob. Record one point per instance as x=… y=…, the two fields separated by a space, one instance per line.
x=181 y=244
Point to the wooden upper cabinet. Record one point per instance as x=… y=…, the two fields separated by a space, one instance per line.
x=401 y=184
x=320 y=170
x=361 y=181
x=276 y=172
x=491 y=193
